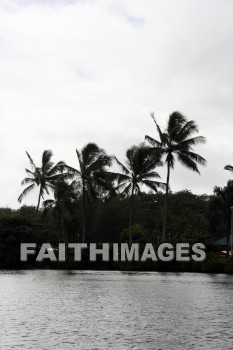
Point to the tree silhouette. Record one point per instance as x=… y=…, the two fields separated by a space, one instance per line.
x=139 y=170
x=92 y=173
x=177 y=140
x=44 y=176
x=64 y=195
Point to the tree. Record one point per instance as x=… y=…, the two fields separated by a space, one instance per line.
x=92 y=174
x=64 y=195
x=177 y=140
x=44 y=176
x=221 y=205
x=141 y=163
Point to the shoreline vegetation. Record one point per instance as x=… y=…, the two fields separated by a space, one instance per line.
x=91 y=203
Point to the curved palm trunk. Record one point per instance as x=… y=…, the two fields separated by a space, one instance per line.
x=83 y=209
x=131 y=215
x=38 y=204
x=166 y=202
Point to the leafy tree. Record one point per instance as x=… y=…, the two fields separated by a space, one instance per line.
x=177 y=140
x=138 y=232
x=221 y=206
x=44 y=176
x=108 y=219
x=139 y=170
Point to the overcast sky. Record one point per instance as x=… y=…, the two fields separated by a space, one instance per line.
x=72 y=72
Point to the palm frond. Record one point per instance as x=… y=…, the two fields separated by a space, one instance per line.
x=53 y=178
x=57 y=168
x=187 y=144
x=229 y=168
x=161 y=134
x=176 y=122
x=153 y=142
x=186 y=130
x=188 y=162
x=25 y=192
x=195 y=157
x=29 y=172
x=93 y=156
x=79 y=155
x=154 y=185
x=123 y=168
x=31 y=160
x=127 y=191
x=72 y=171
x=123 y=178
x=100 y=163
x=121 y=186
x=46 y=157
x=28 y=180
x=149 y=175
x=149 y=163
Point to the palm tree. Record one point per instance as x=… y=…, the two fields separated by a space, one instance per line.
x=43 y=176
x=92 y=174
x=177 y=139
x=64 y=195
x=141 y=163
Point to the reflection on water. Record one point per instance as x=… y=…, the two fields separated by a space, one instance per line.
x=114 y=310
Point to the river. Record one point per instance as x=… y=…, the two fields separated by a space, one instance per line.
x=95 y=310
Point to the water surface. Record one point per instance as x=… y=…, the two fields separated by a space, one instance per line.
x=48 y=309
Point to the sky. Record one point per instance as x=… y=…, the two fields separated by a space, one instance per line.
x=79 y=71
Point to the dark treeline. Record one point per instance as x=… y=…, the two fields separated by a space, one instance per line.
x=191 y=218
x=91 y=203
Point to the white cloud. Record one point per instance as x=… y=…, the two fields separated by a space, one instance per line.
x=78 y=71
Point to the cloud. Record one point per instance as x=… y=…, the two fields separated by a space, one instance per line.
x=78 y=71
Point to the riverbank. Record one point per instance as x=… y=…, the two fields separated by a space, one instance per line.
x=210 y=265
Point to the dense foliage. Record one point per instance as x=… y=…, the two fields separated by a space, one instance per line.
x=190 y=219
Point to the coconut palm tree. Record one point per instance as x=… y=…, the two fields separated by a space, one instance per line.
x=64 y=195
x=44 y=176
x=139 y=170
x=92 y=173
x=177 y=140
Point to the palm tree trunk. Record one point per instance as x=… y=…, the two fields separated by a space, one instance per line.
x=38 y=204
x=83 y=209
x=59 y=221
x=165 y=202
x=131 y=216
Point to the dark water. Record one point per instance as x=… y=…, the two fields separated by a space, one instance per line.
x=113 y=310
